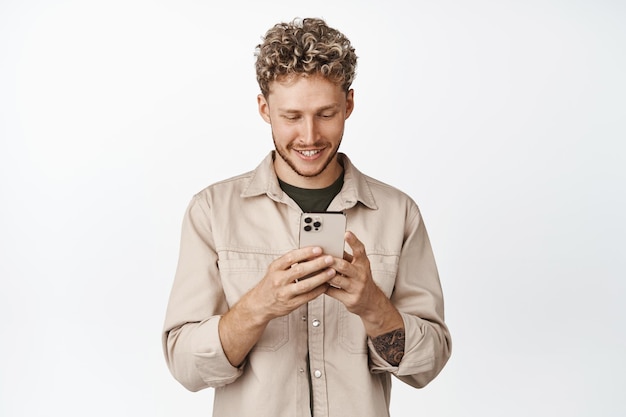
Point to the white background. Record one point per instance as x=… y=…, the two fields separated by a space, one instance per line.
x=505 y=120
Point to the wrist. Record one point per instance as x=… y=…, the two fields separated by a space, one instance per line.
x=382 y=318
x=251 y=311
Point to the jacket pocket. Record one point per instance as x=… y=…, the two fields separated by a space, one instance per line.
x=384 y=274
x=238 y=276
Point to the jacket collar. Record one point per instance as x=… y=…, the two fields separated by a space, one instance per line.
x=355 y=185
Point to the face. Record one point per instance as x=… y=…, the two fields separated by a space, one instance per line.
x=307 y=116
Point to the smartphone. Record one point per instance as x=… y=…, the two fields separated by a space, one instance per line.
x=326 y=230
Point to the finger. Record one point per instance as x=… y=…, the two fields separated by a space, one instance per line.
x=312 y=268
x=338 y=294
x=340 y=282
x=306 y=296
x=320 y=279
x=358 y=249
x=344 y=268
x=295 y=256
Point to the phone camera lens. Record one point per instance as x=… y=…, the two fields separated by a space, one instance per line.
x=308 y=220
x=307 y=228
x=317 y=224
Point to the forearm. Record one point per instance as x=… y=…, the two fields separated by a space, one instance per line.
x=239 y=330
x=391 y=346
x=380 y=316
x=385 y=327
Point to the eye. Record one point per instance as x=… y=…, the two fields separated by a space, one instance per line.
x=328 y=115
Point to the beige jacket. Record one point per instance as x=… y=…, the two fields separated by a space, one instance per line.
x=231 y=232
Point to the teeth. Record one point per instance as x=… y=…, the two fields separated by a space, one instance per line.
x=309 y=153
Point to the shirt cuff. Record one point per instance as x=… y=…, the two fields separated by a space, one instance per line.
x=377 y=363
x=417 y=356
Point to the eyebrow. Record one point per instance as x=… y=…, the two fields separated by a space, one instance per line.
x=321 y=109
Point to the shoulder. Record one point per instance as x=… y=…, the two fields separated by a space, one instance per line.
x=223 y=190
x=251 y=183
x=380 y=187
x=372 y=192
x=384 y=192
x=391 y=199
x=234 y=182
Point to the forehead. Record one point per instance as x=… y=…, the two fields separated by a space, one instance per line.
x=305 y=91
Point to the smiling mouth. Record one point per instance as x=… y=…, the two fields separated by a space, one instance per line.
x=309 y=153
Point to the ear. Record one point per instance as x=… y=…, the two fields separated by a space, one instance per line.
x=264 y=108
x=349 y=102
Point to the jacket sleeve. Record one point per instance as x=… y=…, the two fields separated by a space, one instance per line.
x=419 y=298
x=191 y=342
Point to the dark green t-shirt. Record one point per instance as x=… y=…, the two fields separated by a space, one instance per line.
x=315 y=199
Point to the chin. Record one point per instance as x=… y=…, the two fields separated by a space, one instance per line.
x=311 y=170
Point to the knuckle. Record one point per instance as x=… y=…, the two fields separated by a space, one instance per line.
x=297 y=270
x=276 y=264
x=289 y=258
x=275 y=280
x=283 y=296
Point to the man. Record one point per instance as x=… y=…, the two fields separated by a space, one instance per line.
x=240 y=317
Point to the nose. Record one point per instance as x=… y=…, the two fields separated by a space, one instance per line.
x=310 y=133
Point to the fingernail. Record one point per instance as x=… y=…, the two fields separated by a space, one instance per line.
x=329 y=260
x=331 y=272
x=317 y=251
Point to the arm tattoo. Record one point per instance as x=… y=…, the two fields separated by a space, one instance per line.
x=390 y=346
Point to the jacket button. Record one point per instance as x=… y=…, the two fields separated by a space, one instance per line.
x=316 y=323
x=317 y=373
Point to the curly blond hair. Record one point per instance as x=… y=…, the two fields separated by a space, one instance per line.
x=305 y=46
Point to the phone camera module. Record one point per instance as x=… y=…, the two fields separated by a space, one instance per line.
x=312 y=224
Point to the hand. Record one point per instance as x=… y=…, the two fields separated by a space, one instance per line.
x=282 y=290
x=355 y=288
